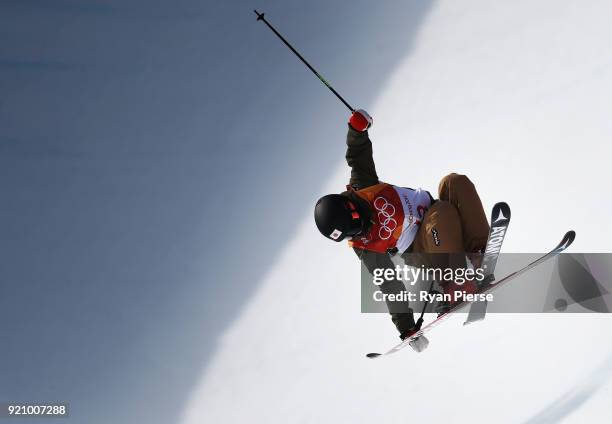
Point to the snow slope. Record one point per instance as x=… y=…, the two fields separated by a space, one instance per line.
x=517 y=96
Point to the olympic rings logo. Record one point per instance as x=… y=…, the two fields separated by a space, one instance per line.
x=385 y=217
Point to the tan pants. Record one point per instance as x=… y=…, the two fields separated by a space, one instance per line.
x=456 y=224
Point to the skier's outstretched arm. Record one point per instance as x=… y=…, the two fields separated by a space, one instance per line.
x=359 y=151
x=401 y=313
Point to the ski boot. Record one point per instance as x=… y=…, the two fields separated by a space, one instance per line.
x=450 y=288
x=476 y=259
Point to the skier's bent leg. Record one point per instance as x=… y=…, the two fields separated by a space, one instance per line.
x=439 y=241
x=460 y=192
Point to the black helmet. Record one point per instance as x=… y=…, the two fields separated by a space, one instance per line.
x=337 y=217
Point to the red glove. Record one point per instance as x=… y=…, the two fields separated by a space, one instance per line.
x=360 y=120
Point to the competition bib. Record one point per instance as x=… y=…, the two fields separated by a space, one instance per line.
x=397 y=213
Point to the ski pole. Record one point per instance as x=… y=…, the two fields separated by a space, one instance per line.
x=260 y=17
x=419 y=322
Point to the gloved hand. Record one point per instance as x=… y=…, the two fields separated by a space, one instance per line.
x=420 y=344
x=360 y=120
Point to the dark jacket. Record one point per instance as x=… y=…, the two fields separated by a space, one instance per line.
x=363 y=174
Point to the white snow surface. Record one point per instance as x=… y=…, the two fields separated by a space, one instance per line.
x=517 y=95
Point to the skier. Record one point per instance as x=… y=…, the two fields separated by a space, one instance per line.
x=380 y=220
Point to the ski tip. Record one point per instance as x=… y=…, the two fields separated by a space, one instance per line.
x=568 y=239
x=373 y=355
x=501 y=211
x=502 y=205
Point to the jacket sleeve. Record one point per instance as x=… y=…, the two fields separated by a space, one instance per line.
x=359 y=158
x=401 y=313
